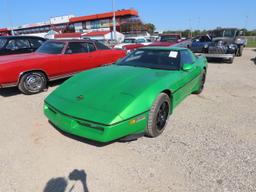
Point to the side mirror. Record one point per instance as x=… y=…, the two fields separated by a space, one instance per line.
x=187 y=67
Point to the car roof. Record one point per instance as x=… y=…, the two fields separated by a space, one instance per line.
x=134 y=37
x=163 y=48
x=71 y=40
x=20 y=37
x=169 y=34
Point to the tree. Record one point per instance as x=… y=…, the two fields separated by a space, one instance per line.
x=149 y=27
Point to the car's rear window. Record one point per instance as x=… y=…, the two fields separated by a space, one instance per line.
x=2 y=42
x=101 y=46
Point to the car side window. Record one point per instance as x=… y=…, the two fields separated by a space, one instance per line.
x=140 y=41
x=11 y=45
x=205 y=39
x=35 y=43
x=18 y=44
x=91 y=47
x=76 y=47
x=22 y=43
x=101 y=46
x=185 y=57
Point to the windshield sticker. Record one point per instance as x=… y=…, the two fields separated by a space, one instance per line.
x=173 y=54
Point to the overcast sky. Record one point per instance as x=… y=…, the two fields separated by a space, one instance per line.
x=165 y=14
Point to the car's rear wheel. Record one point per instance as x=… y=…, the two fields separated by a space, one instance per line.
x=202 y=82
x=32 y=83
x=158 y=116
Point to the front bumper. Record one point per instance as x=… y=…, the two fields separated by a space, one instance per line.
x=221 y=56
x=95 y=131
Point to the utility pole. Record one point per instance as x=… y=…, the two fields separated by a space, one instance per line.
x=114 y=20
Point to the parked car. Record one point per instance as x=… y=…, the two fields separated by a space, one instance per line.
x=135 y=95
x=172 y=40
x=165 y=40
x=55 y=59
x=201 y=43
x=133 y=40
x=19 y=44
x=220 y=43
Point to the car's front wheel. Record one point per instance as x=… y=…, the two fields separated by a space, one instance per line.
x=158 y=116
x=32 y=83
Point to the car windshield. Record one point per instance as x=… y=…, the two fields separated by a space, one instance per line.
x=129 y=41
x=154 y=59
x=224 y=33
x=51 y=48
x=169 y=38
x=2 y=43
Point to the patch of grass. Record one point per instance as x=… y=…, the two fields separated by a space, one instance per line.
x=251 y=43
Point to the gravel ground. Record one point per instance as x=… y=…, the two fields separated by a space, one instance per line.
x=209 y=144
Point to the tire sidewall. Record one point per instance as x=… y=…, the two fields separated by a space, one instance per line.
x=152 y=130
x=22 y=81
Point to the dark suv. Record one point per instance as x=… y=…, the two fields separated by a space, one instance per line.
x=19 y=44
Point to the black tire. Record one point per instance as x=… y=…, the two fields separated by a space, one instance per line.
x=32 y=83
x=230 y=61
x=202 y=82
x=158 y=116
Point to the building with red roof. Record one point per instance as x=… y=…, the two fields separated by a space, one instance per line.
x=81 y=24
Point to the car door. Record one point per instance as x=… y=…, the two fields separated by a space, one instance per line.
x=103 y=55
x=188 y=78
x=76 y=58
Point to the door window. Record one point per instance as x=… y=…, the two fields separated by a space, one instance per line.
x=15 y=44
x=91 y=47
x=140 y=41
x=77 y=47
x=186 y=57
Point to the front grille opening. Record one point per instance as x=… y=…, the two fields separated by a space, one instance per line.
x=91 y=126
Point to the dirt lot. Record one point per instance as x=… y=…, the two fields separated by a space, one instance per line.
x=209 y=144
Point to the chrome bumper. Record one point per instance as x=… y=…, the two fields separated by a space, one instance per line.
x=221 y=56
x=8 y=85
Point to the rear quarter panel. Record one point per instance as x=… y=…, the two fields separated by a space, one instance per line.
x=11 y=72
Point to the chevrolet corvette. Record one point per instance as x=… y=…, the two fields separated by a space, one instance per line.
x=135 y=95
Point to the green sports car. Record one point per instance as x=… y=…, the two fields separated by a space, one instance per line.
x=135 y=95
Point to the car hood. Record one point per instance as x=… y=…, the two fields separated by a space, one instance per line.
x=108 y=94
x=166 y=44
x=22 y=57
